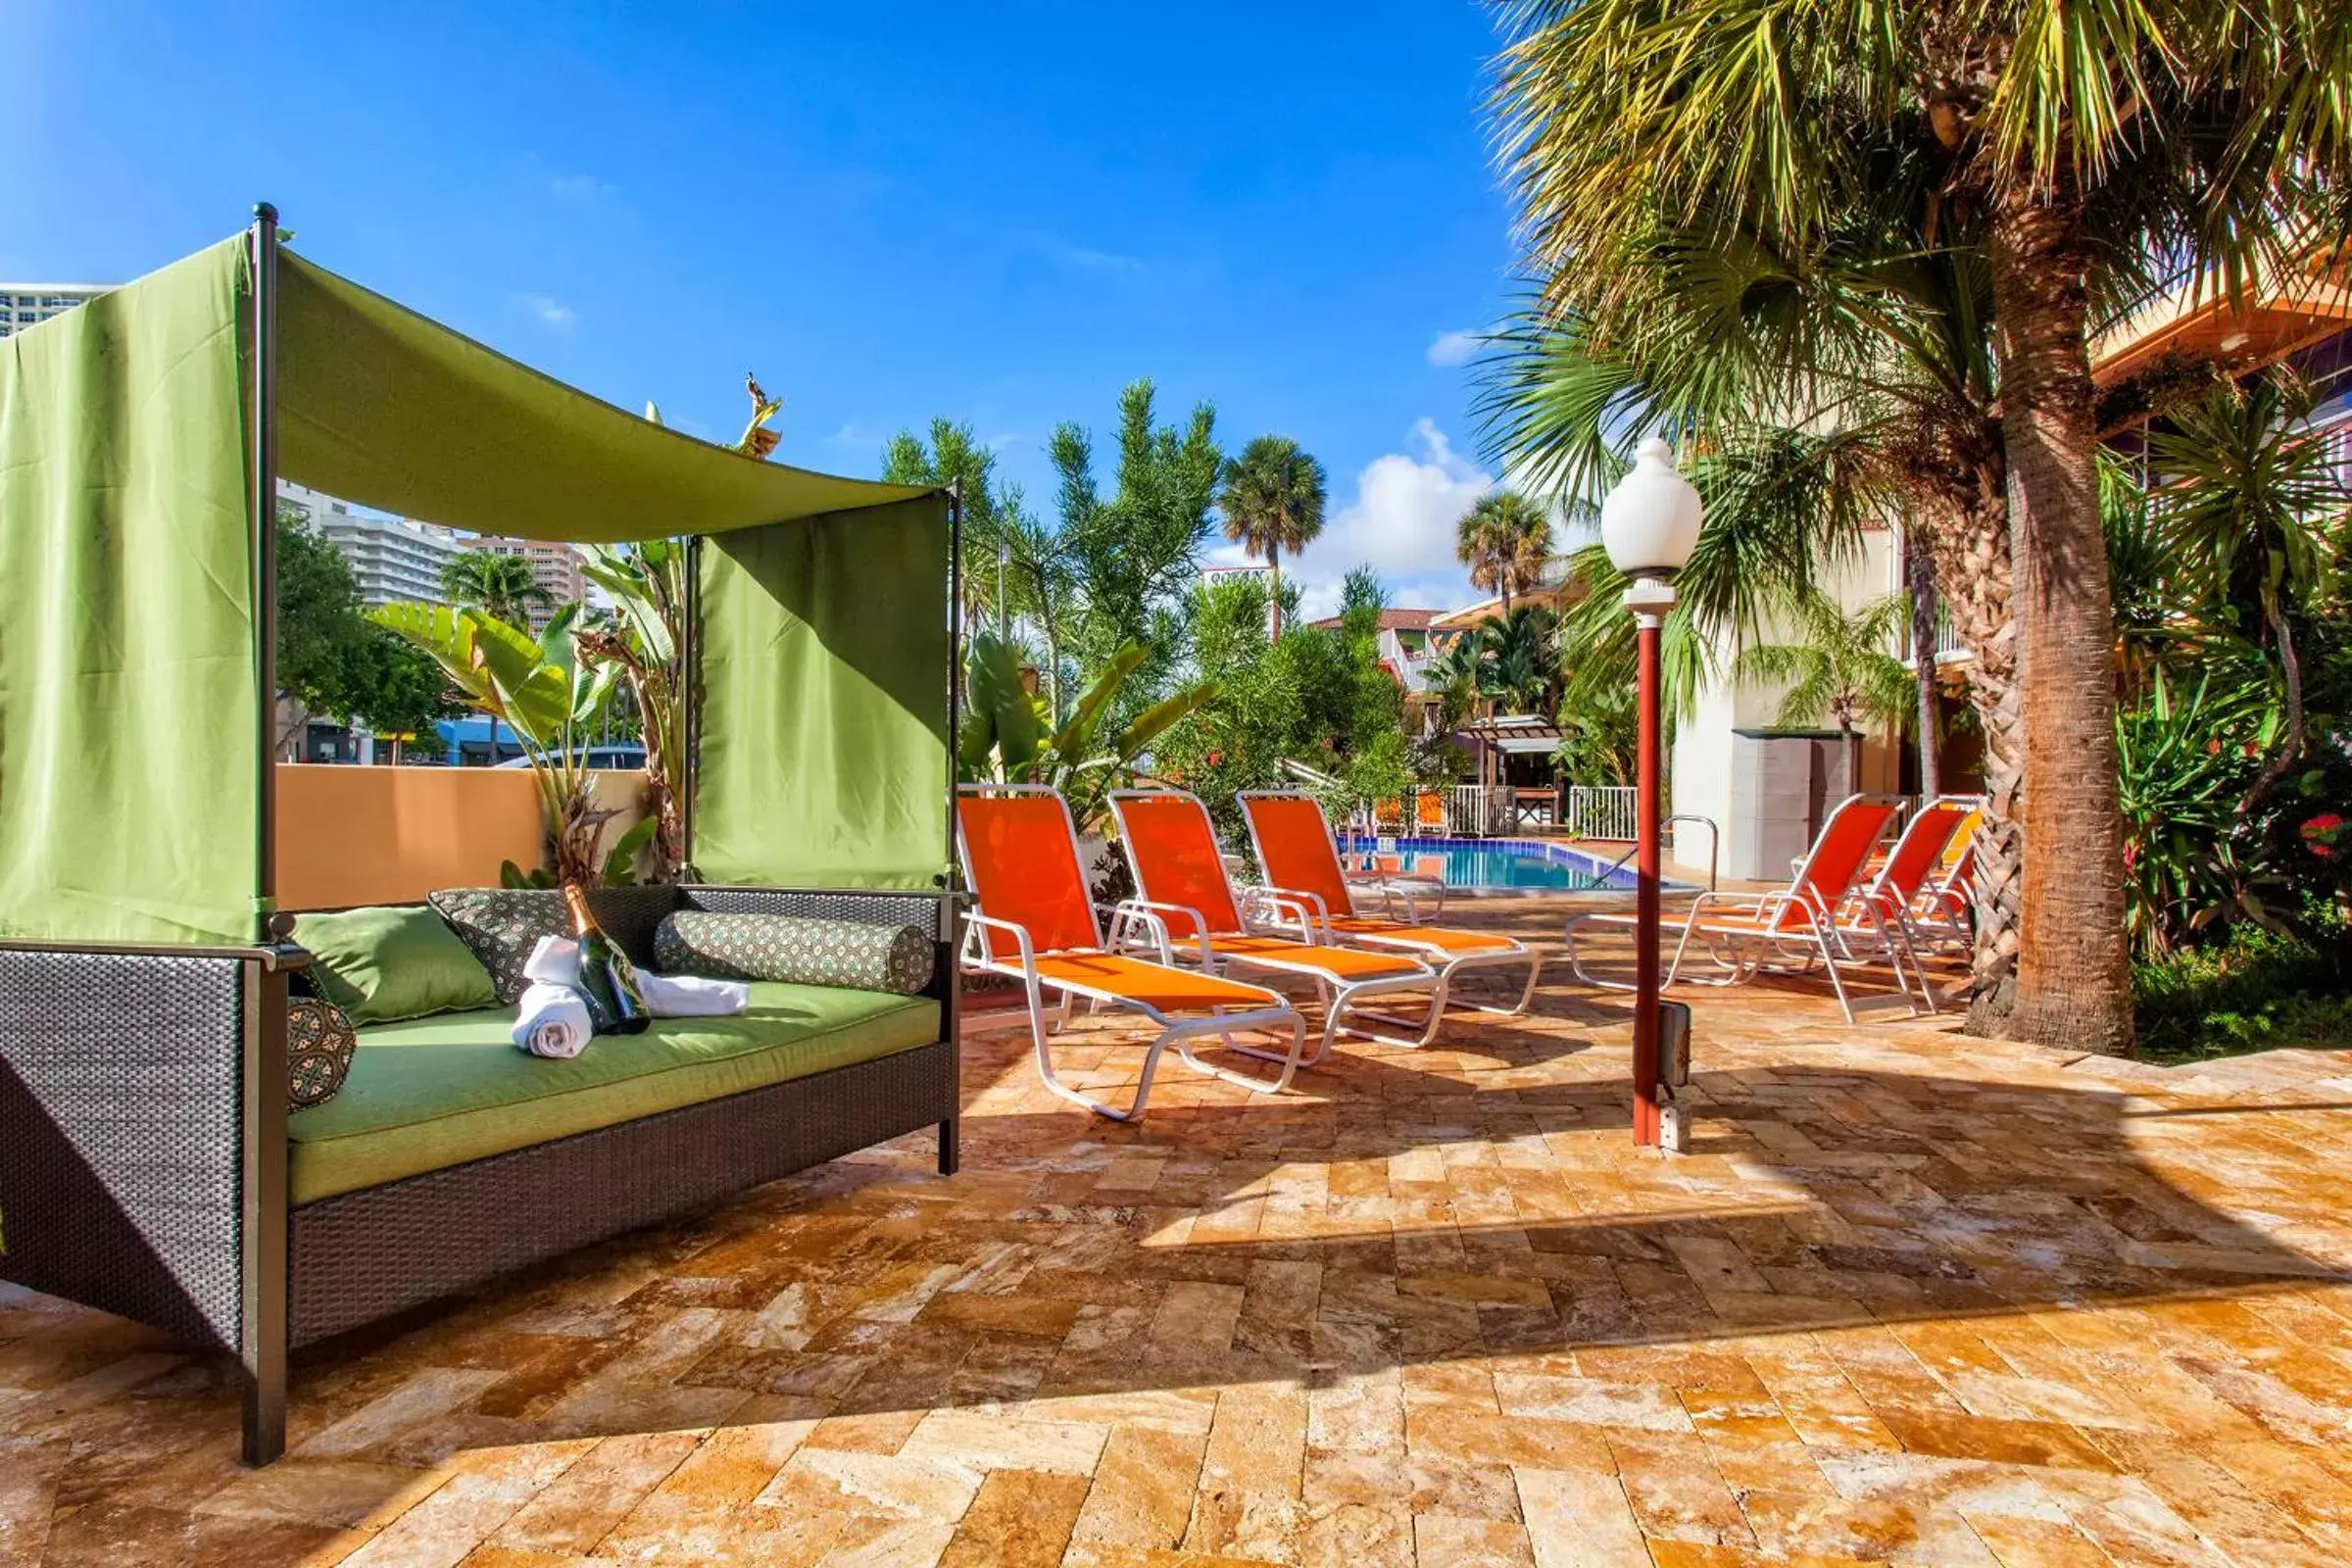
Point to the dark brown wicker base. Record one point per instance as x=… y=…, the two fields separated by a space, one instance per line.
x=367 y=1254
x=143 y=1147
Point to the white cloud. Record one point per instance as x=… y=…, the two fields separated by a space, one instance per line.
x=552 y=312
x=1456 y=347
x=855 y=435
x=1402 y=522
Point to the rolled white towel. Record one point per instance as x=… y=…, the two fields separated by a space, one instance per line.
x=552 y=1021
x=690 y=995
x=553 y=962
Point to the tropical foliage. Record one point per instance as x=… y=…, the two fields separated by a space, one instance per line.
x=1009 y=737
x=501 y=586
x=1901 y=221
x=542 y=689
x=1106 y=571
x=641 y=639
x=1316 y=696
x=333 y=663
x=1837 y=668
x=1505 y=540
x=1271 y=499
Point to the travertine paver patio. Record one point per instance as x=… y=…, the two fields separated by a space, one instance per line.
x=1912 y=1298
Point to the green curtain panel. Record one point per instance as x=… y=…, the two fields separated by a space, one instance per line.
x=128 y=720
x=387 y=407
x=823 y=653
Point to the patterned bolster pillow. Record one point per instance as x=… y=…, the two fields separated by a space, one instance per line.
x=852 y=955
x=320 y=1045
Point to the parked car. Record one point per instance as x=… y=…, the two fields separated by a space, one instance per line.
x=617 y=754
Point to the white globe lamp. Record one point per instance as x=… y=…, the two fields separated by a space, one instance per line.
x=1649 y=522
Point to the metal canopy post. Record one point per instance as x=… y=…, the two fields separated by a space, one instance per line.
x=261 y=468
x=690 y=682
x=951 y=925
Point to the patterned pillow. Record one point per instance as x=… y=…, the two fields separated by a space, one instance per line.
x=499 y=926
x=320 y=1042
x=852 y=955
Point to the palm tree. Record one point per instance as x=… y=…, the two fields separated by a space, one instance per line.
x=1838 y=669
x=1519 y=660
x=1455 y=675
x=498 y=585
x=1504 y=539
x=1941 y=205
x=1272 y=501
x=2243 y=500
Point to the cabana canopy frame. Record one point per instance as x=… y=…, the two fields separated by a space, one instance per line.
x=143 y=973
x=135 y=433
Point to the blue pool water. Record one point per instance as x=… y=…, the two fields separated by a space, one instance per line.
x=1536 y=865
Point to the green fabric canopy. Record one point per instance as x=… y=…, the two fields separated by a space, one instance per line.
x=127 y=722
x=824 y=654
x=383 y=407
x=130 y=793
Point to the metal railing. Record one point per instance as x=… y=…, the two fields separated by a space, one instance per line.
x=1602 y=811
x=1714 y=847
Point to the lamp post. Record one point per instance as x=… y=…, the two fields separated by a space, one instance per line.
x=1648 y=524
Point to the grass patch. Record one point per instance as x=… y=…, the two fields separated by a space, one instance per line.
x=2255 y=991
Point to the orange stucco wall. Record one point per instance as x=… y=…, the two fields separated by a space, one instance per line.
x=390 y=835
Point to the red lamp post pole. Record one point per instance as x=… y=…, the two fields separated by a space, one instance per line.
x=1645 y=895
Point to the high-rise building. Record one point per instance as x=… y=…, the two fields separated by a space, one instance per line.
x=391 y=559
x=555 y=567
x=24 y=304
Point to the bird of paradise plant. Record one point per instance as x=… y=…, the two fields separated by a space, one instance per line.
x=546 y=693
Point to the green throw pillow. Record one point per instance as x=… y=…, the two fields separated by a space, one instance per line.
x=394 y=963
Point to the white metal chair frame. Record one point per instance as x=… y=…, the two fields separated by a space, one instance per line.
x=1314 y=923
x=977 y=957
x=1339 y=997
x=1941 y=917
x=1853 y=934
x=1929 y=916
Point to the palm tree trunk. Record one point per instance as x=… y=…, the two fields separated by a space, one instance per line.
x=2073 y=983
x=1274 y=595
x=1919 y=572
x=1966 y=518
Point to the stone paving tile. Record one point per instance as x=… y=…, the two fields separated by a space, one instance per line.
x=1910 y=1299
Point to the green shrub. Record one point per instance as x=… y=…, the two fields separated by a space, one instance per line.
x=2259 y=990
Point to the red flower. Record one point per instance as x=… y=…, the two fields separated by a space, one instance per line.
x=2320 y=832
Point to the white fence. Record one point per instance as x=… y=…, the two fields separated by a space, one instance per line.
x=1602 y=811
x=1460 y=810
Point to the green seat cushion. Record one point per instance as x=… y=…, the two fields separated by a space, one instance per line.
x=431 y=1093
x=397 y=961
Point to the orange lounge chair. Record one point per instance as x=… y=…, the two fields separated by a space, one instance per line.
x=1187 y=903
x=1901 y=878
x=1301 y=866
x=1386 y=876
x=1943 y=914
x=1816 y=917
x=1429 y=811
x=1034 y=922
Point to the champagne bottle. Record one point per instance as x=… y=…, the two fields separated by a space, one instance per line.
x=608 y=982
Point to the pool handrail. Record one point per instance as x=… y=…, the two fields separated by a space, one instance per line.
x=1714 y=846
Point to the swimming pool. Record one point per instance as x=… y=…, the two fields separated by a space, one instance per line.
x=1491 y=865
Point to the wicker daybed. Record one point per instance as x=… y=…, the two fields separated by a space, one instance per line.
x=149 y=1162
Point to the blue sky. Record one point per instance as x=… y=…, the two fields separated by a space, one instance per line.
x=997 y=212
